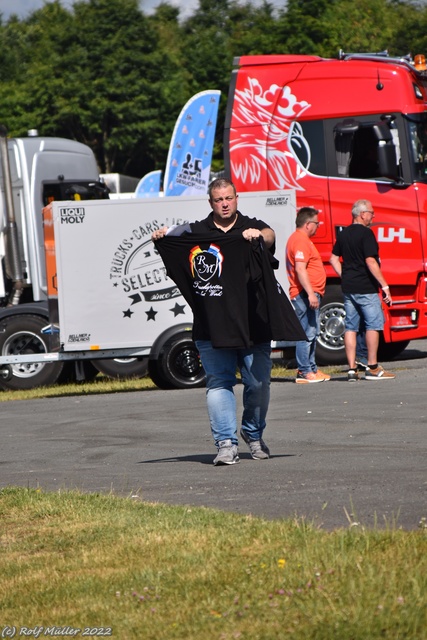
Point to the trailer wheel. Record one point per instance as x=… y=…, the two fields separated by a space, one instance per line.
x=122 y=367
x=330 y=343
x=21 y=335
x=178 y=365
x=155 y=372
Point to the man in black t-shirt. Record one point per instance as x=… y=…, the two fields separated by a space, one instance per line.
x=220 y=364
x=361 y=277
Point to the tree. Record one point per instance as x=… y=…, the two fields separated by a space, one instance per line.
x=410 y=21
x=302 y=25
x=106 y=74
x=372 y=23
x=27 y=51
x=96 y=75
x=218 y=32
x=119 y=92
x=176 y=79
x=253 y=30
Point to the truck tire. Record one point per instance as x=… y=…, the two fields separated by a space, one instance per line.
x=330 y=343
x=21 y=335
x=178 y=365
x=122 y=367
x=77 y=371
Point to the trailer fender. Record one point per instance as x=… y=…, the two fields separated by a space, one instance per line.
x=174 y=361
x=32 y=308
x=166 y=335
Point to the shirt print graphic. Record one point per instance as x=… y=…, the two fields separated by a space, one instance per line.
x=206 y=268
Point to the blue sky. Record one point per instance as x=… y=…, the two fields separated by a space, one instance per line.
x=24 y=7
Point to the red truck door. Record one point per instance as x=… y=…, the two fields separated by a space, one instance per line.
x=356 y=174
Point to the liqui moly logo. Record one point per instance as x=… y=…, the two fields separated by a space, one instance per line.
x=72 y=215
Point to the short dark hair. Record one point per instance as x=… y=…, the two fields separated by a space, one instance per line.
x=220 y=183
x=305 y=214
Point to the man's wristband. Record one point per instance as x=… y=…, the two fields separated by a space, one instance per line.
x=384 y=288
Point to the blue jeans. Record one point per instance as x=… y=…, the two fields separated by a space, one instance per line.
x=220 y=366
x=305 y=351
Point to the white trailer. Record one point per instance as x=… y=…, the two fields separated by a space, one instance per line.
x=109 y=295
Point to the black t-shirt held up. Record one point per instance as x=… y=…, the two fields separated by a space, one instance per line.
x=229 y=284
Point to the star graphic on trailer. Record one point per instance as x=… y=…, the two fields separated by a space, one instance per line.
x=151 y=314
x=178 y=308
x=127 y=314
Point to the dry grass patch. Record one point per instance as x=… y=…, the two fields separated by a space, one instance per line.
x=102 y=385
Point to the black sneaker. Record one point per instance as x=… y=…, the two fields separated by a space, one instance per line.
x=352 y=376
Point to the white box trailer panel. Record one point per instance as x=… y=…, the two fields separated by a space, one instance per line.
x=113 y=291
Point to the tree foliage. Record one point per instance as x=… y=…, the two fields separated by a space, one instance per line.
x=107 y=74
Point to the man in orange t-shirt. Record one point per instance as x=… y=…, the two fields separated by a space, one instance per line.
x=307 y=281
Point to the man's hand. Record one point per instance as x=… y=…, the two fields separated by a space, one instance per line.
x=313 y=301
x=267 y=234
x=251 y=234
x=160 y=233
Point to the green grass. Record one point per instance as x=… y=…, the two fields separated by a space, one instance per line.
x=102 y=384
x=151 y=571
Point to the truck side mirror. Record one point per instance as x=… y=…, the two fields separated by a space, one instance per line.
x=387 y=158
x=387 y=162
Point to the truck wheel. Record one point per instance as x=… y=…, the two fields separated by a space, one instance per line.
x=330 y=343
x=22 y=336
x=178 y=365
x=122 y=367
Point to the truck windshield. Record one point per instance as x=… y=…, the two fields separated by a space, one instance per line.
x=417 y=132
x=73 y=190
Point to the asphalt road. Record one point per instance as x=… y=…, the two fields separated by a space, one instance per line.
x=341 y=453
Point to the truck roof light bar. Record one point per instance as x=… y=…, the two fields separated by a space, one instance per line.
x=375 y=57
x=382 y=54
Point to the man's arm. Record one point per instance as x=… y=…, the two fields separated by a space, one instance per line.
x=269 y=237
x=335 y=263
x=374 y=268
x=303 y=277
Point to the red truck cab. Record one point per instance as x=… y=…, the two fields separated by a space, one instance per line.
x=337 y=130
